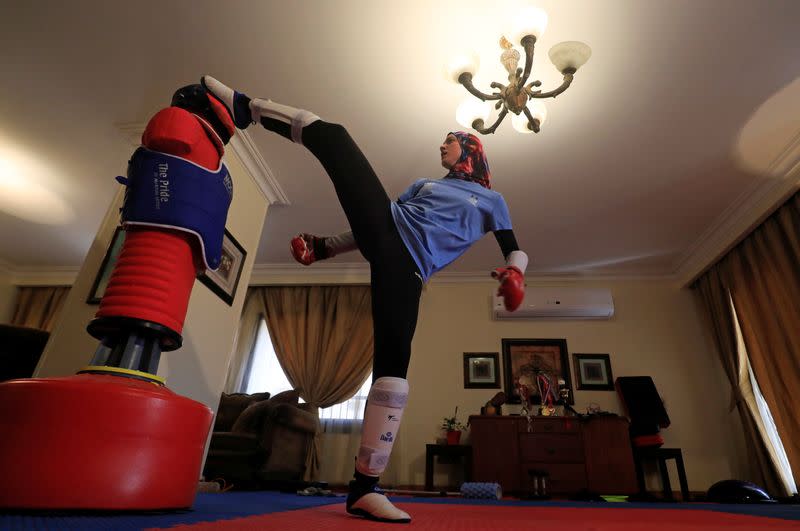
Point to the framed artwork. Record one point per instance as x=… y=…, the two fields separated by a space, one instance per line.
x=481 y=370
x=225 y=279
x=106 y=267
x=593 y=372
x=526 y=358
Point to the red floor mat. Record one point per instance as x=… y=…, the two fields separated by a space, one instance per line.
x=504 y=518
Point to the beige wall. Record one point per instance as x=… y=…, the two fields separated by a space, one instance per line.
x=8 y=294
x=70 y=347
x=198 y=369
x=656 y=331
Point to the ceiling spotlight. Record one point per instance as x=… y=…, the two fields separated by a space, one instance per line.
x=516 y=96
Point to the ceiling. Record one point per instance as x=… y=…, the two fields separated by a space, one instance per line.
x=668 y=143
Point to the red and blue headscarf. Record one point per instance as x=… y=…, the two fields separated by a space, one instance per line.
x=472 y=165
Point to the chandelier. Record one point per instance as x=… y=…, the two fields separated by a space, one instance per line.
x=516 y=97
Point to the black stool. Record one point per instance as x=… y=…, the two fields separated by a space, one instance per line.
x=661 y=455
x=450 y=452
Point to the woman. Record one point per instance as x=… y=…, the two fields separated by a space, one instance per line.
x=405 y=241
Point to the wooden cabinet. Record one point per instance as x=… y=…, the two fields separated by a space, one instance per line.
x=576 y=453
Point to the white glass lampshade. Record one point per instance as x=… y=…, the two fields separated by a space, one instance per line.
x=520 y=121
x=470 y=109
x=465 y=62
x=528 y=21
x=570 y=54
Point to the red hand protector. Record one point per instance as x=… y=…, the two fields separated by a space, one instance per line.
x=512 y=286
x=302 y=248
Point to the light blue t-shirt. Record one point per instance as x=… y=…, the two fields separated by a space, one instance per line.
x=440 y=219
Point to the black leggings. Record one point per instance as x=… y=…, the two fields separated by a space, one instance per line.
x=394 y=277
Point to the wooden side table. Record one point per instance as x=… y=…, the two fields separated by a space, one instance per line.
x=576 y=453
x=454 y=452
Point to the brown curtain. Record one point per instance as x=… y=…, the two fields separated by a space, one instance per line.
x=762 y=275
x=38 y=307
x=715 y=299
x=323 y=340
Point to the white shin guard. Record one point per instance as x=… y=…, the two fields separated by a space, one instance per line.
x=385 y=404
x=296 y=118
x=517 y=259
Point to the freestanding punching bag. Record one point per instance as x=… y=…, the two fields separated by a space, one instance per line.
x=113 y=436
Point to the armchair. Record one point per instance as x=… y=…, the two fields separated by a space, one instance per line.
x=260 y=441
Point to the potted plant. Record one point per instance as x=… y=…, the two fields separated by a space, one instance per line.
x=453 y=427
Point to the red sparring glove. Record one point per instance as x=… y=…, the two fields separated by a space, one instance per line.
x=302 y=247
x=307 y=248
x=512 y=286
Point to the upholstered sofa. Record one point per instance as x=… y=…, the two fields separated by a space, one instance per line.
x=260 y=441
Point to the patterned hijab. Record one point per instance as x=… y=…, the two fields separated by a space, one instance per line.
x=472 y=165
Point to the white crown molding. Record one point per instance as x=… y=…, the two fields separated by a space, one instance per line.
x=744 y=214
x=245 y=150
x=345 y=273
x=44 y=276
x=287 y=274
x=358 y=273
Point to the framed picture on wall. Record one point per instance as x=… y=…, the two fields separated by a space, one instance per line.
x=106 y=268
x=593 y=372
x=524 y=359
x=481 y=370
x=225 y=279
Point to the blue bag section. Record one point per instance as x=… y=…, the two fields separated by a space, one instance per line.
x=171 y=192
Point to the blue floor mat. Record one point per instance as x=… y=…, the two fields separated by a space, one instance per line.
x=206 y=508
x=230 y=505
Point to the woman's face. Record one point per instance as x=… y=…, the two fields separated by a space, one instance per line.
x=450 y=151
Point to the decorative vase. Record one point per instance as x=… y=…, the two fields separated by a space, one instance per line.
x=453 y=436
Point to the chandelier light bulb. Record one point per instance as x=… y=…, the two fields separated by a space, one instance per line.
x=538 y=110
x=520 y=121
x=465 y=62
x=528 y=21
x=569 y=54
x=470 y=109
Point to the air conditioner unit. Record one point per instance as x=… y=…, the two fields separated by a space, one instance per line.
x=558 y=303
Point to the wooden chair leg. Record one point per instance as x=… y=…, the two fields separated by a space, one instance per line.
x=682 y=478
x=667 y=487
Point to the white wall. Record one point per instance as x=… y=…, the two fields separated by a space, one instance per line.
x=70 y=347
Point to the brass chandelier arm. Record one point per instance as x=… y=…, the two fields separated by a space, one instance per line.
x=528 y=43
x=568 y=76
x=478 y=124
x=466 y=80
x=533 y=123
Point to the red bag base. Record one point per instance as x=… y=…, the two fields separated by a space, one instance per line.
x=104 y=442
